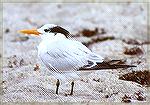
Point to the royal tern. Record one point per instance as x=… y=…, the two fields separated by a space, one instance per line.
x=65 y=58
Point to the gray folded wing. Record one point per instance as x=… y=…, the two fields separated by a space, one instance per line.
x=68 y=55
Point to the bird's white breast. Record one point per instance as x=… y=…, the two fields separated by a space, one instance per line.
x=48 y=40
x=42 y=48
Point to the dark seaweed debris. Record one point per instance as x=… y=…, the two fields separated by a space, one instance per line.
x=98 y=39
x=133 y=51
x=37 y=67
x=126 y=99
x=131 y=41
x=139 y=96
x=141 y=77
x=89 y=33
x=135 y=42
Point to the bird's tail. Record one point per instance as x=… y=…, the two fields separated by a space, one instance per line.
x=113 y=64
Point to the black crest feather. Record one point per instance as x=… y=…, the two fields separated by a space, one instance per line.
x=61 y=30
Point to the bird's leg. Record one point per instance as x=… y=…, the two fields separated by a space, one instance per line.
x=72 y=85
x=57 y=84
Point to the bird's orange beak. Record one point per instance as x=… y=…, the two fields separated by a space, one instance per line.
x=30 y=31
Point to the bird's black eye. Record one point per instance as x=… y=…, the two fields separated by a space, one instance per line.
x=46 y=30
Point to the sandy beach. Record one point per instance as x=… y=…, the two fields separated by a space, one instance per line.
x=113 y=30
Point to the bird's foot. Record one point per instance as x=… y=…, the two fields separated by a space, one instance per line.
x=66 y=94
x=57 y=86
x=72 y=86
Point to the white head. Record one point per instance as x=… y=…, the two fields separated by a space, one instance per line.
x=47 y=30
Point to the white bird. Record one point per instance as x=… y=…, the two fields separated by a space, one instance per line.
x=65 y=58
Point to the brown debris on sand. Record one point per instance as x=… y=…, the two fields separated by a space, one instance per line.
x=133 y=51
x=139 y=96
x=135 y=42
x=98 y=39
x=126 y=99
x=36 y=67
x=14 y=61
x=89 y=32
x=141 y=77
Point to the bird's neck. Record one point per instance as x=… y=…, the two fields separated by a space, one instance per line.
x=60 y=36
x=52 y=37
